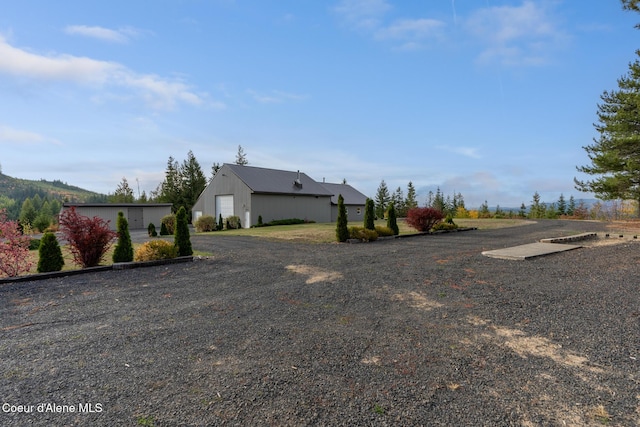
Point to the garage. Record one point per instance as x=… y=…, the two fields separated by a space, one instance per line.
x=224 y=205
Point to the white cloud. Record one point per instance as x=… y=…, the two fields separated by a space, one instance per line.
x=274 y=96
x=364 y=14
x=464 y=151
x=158 y=92
x=11 y=135
x=105 y=34
x=516 y=35
x=411 y=33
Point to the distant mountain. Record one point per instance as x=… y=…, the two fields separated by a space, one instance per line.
x=14 y=191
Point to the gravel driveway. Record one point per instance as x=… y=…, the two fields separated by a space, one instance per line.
x=414 y=331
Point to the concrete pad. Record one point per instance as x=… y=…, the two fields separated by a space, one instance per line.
x=531 y=250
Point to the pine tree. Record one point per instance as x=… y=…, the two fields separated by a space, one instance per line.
x=615 y=155
x=392 y=222
x=123 y=251
x=123 y=193
x=241 y=157
x=562 y=205
x=49 y=254
x=369 y=215
x=342 y=232
x=382 y=199
x=181 y=238
x=192 y=182
x=411 y=200
x=572 y=206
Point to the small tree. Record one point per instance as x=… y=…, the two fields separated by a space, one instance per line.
x=342 y=231
x=89 y=238
x=369 y=215
x=14 y=247
x=123 y=251
x=423 y=219
x=220 y=222
x=151 y=230
x=392 y=222
x=50 y=255
x=181 y=237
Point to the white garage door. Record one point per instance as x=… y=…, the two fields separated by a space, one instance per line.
x=224 y=206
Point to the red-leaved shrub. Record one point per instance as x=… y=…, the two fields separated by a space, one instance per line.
x=423 y=219
x=14 y=248
x=89 y=238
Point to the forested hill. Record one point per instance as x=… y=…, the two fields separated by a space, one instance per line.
x=14 y=191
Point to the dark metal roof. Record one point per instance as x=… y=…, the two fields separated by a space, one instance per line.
x=351 y=195
x=273 y=181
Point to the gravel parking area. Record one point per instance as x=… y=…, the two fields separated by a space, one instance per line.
x=414 y=331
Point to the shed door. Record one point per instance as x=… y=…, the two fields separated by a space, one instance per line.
x=224 y=206
x=135 y=218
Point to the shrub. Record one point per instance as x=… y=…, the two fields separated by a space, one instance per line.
x=233 y=222
x=34 y=244
x=369 y=216
x=42 y=222
x=289 y=221
x=14 y=247
x=181 y=237
x=205 y=223
x=361 y=233
x=169 y=223
x=151 y=229
x=260 y=221
x=384 y=231
x=220 y=223
x=342 y=232
x=50 y=254
x=89 y=238
x=163 y=229
x=155 y=250
x=444 y=226
x=123 y=251
x=392 y=221
x=423 y=219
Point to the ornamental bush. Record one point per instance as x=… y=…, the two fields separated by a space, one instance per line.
x=233 y=222
x=384 y=231
x=168 y=225
x=363 y=234
x=123 y=251
x=369 y=215
x=49 y=254
x=14 y=248
x=151 y=230
x=181 y=237
x=155 y=250
x=392 y=221
x=220 y=223
x=205 y=223
x=423 y=219
x=342 y=231
x=89 y=238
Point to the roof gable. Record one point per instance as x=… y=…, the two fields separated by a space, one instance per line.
x=273 y=181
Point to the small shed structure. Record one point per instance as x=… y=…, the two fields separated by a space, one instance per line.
x=249 y=192
x=139 y=215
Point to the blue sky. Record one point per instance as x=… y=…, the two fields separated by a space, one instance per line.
x=492 y=99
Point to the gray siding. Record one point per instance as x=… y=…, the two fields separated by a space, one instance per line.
x=355 y=213
x=150 y=213
x=224 y=183
x=272 y=207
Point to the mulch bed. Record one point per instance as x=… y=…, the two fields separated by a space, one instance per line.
x=421 y=331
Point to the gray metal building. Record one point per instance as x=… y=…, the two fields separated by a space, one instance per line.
x=249 y=192
x=138 y=215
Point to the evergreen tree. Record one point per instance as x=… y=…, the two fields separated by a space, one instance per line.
x=241 y=157
x=28 y=213
x=562 y=205
x=411 y=200
x=522 y=213
x=438 y=202
x=49 y=254
x=342 y=232
x=214 y=169
x=123 y=193
x=392 y=222
x=382 y=199
x=369 y=215
x=397 y=200
x=484 y=210
x=192 y=182
x=181 y=238
x=169 y=191
x=535 y=210
x=615 y=155
x=123 y=251
x=572 y=206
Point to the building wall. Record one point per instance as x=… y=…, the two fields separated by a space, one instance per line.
x=273 y=207
x=150 y=214
x=355 y=213
x=224 y=183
